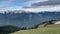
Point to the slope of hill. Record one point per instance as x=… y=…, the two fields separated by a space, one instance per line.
x=8 y=29
x=50 y=29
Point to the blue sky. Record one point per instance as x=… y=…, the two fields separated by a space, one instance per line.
x=30 y=5
x=12 y=3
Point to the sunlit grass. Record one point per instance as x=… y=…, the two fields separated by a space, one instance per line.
x=50 y=29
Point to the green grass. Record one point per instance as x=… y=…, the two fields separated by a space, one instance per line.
x=50 y=29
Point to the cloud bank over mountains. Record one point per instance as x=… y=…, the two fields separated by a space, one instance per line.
x=30 y=5
x=49 y=5
x=49 y=2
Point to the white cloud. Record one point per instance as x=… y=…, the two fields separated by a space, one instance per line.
x=43 y=8
x=32 y=9
x=29 y=3
x=37 y=9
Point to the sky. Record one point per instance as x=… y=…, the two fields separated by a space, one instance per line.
x=30 y=5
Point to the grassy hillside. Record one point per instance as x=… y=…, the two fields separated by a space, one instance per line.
x=50 y=29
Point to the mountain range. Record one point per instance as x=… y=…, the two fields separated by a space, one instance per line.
x=26 y=19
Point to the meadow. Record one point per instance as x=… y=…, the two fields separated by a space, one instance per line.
x=49 y=29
